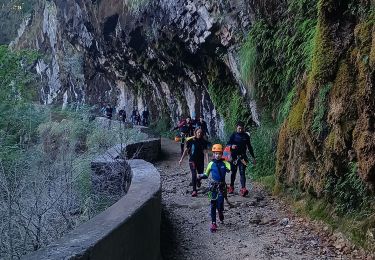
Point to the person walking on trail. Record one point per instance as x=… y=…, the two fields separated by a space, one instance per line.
x=196 y=147
x=218 y=168
x=145 y=115
x=202 y=125
x=134 y=114
x=239 y=142
x=108 y=111
x=122 y=115
x=137 y=118
x=186 y=129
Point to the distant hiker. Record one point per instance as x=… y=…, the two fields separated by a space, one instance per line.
x=122 y=115
x=202 y=125
x=145 y=115
x=137 y=118
x=108 y=111
x=196 y=147
x=186 y=129
x=218 y=168
x=134 y=114
x=240 y=142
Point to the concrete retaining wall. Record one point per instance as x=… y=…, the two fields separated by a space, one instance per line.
x=129 y=229
x=148 y=150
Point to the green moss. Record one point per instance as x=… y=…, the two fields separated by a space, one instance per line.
x=296 y=114
x=343 y=85
x=362 y=34
x=281 y=150
x=268 y=182
x=324 y=58
x=330 y=141
x=320 y=109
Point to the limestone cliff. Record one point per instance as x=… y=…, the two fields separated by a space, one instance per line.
x=165 y=54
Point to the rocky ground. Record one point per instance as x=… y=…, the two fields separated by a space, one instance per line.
x=255 y=227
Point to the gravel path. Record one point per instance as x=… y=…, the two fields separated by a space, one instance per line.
x=256 y=227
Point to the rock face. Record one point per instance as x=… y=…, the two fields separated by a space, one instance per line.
x=162 y=54
x=329 y=134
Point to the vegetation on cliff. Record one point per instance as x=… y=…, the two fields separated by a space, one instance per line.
x=312 y=66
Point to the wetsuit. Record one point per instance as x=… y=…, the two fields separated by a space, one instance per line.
x=242 y=140
x=145 y=115
x=218 y=189
x=108 y=112
x=122 y=115
x=196 y=149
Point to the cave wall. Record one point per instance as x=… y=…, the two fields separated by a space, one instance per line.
x=162 y=54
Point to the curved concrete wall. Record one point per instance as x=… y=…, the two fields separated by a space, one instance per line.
x=129 y=229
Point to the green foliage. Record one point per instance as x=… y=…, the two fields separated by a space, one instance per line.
x=286 y=106
x=17 y=80
x=320 y=109
x=263 y=140
x=268 y=182
x=283 y=51
x=248 y=59
x=163 y=127
x=230 y=104
x=353 y=225
x=348 y=192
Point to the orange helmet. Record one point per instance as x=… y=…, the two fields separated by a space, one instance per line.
x=217 y=148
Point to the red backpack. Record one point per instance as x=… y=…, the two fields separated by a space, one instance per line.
x=227 y=154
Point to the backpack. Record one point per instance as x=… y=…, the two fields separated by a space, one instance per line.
x=227 y=154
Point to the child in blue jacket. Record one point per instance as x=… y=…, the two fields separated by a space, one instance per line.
x=218 y=188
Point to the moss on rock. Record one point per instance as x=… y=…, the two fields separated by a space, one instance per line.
x=296 y=113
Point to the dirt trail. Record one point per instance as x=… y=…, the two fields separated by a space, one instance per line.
x=257 y=227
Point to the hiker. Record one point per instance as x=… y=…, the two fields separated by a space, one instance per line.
x=137 y=118
x=196 y=147
x=186 y=130
x=145 y=115
x=109 y=111
x=239 y=142
x=134 y=114
x=122 y=115
x=218 y=188
x=202 y=125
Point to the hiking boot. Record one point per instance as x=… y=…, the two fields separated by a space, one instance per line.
x=230 y=189
x=213 y=227
x=221 y=216
x=194 y=193
x=244 y=192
